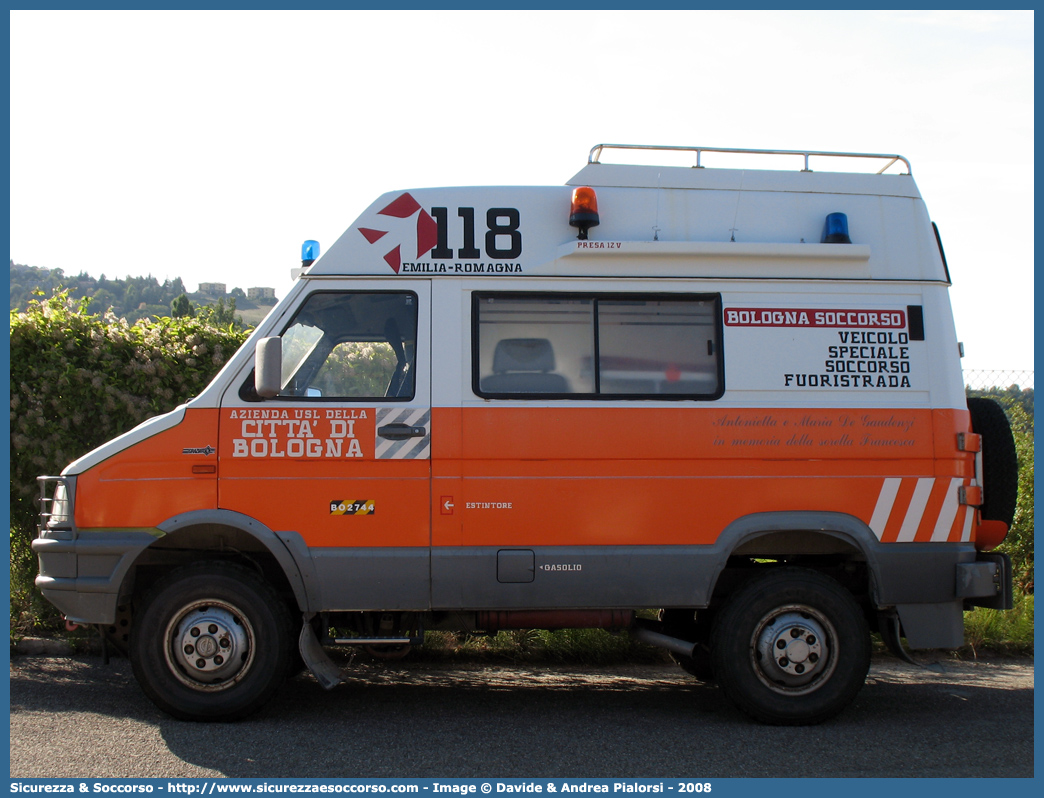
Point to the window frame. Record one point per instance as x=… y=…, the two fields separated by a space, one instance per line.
x=477 y=297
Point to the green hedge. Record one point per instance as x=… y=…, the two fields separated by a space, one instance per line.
x=1019 y=542
x=1018 y=405
x=79 y=379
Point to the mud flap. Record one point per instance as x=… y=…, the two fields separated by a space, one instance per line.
x=322 y=667
x=890 y=636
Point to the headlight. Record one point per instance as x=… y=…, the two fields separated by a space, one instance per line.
x=59 y=515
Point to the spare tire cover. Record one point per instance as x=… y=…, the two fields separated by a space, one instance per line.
x=1000 y=465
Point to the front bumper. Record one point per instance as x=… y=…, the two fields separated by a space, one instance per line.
x=82 y=577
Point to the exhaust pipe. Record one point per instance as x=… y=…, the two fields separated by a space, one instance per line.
x=644 y=633
x=642 y=629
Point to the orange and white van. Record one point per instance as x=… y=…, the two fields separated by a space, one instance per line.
x=733 y=396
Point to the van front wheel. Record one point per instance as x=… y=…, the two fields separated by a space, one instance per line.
x=791 y=647
x=211 y=642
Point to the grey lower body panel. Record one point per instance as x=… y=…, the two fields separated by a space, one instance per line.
x=470 y=578
x=606 y=577
x=373 y=578
x=919 y=573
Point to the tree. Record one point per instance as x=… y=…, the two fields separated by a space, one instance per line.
x=131 y=298
x=181 y=307
x=221 y=315
x=103 y=299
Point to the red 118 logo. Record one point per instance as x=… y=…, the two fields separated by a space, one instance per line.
x=433 y=232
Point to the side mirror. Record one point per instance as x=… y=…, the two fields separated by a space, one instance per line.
x=268 y=367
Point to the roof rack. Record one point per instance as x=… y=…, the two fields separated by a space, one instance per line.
x=596 y=153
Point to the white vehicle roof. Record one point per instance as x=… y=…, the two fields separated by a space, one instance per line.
x=658 y=221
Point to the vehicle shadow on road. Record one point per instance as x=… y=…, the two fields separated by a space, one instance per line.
x=436 y=721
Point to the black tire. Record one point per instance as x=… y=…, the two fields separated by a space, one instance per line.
x=802 y=613
x=211 y=642
x=683 y=625
x=1000 y=463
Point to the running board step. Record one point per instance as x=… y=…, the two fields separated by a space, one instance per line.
x=373 y=641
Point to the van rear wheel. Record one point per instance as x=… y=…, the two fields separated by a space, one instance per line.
x=791 y=647
x=211 y=642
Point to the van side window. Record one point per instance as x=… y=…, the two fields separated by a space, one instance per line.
x=602 y=345
x=534 y=345
x=351 y=345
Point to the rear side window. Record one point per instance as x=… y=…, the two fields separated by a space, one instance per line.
x=612 y=346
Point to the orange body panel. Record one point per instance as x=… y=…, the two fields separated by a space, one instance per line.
x=299 y=498
x=313 y=459
x=659 y=476
x=151 y=481
x=705 y=434
x=553 y=476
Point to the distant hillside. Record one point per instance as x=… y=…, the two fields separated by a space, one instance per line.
x=132 y=297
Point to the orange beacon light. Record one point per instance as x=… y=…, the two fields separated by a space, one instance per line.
x=583 y=213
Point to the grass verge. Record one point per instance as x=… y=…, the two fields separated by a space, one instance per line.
x=584 y=646
x=1000 y=631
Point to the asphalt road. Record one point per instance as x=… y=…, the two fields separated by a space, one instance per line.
x=74 y=717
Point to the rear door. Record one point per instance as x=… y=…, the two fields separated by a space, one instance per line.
x=342 y=455
x=584 y=449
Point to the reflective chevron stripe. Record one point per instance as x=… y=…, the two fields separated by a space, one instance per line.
x=921 y=509
x=418 y=448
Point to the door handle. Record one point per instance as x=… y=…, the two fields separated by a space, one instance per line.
x=400 y=432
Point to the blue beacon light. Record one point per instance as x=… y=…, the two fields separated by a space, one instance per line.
x=309 y=252
x=836 y=229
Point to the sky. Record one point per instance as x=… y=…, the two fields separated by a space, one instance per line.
x=208 y=145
